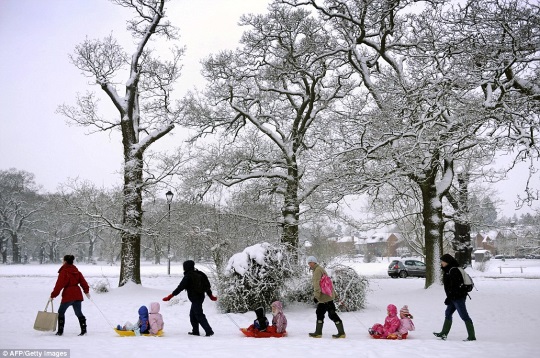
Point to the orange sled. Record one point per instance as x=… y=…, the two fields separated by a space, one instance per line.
x=263 y=334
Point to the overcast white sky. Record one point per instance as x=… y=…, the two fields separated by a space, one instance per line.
x=36 y=37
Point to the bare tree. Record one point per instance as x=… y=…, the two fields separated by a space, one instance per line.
x=272 y=100
x=427 y=108
x=145 y=111
x=19 y=206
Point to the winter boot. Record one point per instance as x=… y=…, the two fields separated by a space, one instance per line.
x=82 y=322
x=470 y=331
x=445 y=330
x=340 y=331
x=318 y=330
x=61 y=322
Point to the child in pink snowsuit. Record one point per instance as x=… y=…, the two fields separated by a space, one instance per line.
x=155 y=319
x=390 y=327
x=406 y=322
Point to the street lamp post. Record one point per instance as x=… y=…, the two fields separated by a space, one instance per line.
x=169 y=195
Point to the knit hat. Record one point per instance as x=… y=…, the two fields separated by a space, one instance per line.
x=404 y=311
x=189 y=265
x=312 y=259
x=450 y=260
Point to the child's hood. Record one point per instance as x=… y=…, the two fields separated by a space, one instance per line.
x=392 y=310
x=278 y=306
x=154 y=307
x=143 y=311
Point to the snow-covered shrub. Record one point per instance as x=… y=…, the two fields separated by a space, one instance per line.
x=481 y=266
x=254 y=277
x=299 y=289
x=102 y=286
x=351 y=288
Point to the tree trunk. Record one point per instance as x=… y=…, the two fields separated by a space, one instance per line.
x=291 y=211
x=462 y=243
x=15 y=252
x=91 y=249
x=130 y=265
x=462 y=230
x=433 y=226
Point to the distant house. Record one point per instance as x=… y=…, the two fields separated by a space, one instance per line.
x=503 y=241
x=344 y=244
x=486 y=240
x=380 y=243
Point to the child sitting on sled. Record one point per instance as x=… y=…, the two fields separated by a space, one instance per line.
x=261 y=322
x=141 y=326
x=406 y=322
x=147 y=323
x=155 y=319
x=391 y=325
x=261 y=328
x=279 y=321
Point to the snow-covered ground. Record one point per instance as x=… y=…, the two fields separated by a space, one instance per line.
x=504 y=310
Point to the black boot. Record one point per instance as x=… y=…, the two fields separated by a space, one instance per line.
x=341 y=331
x=82 y=322
x=318 y=330
x=61 y=322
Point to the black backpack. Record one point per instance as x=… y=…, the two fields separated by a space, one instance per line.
x=200 y=282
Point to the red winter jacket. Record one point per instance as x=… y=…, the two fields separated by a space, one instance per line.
x=69 y=279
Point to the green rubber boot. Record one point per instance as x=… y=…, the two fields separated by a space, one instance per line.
x=341 y=331
x=470 y=331
x=445 y=330
x=318 y=330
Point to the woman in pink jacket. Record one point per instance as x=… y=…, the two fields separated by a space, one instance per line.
x=155 y=318
x=390 y=327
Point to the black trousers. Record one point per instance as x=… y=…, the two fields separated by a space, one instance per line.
x=323 y=308
x=197 y=317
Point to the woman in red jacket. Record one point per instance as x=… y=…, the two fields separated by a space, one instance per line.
x=69 y=279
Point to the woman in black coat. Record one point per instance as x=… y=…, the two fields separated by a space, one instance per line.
x=455 y=298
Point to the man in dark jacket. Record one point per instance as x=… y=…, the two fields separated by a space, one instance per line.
x=196 y=284
x=455 y=298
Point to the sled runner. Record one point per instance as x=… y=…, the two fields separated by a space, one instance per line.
x=263 y=334
x=131 y=333
x=392 y=336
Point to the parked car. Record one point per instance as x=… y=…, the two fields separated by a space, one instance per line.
x=405 y=268
x=503 y=257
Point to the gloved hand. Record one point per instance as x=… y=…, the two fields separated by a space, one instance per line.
x=315 y=300
x=213 y=298
x=168 y=298
x=87 y=295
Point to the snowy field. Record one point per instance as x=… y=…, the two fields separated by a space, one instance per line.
x=504 y=310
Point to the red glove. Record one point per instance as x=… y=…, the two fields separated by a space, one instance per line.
x=168 y=298
x=213 y=298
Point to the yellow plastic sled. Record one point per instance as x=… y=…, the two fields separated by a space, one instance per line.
x=132 y=334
